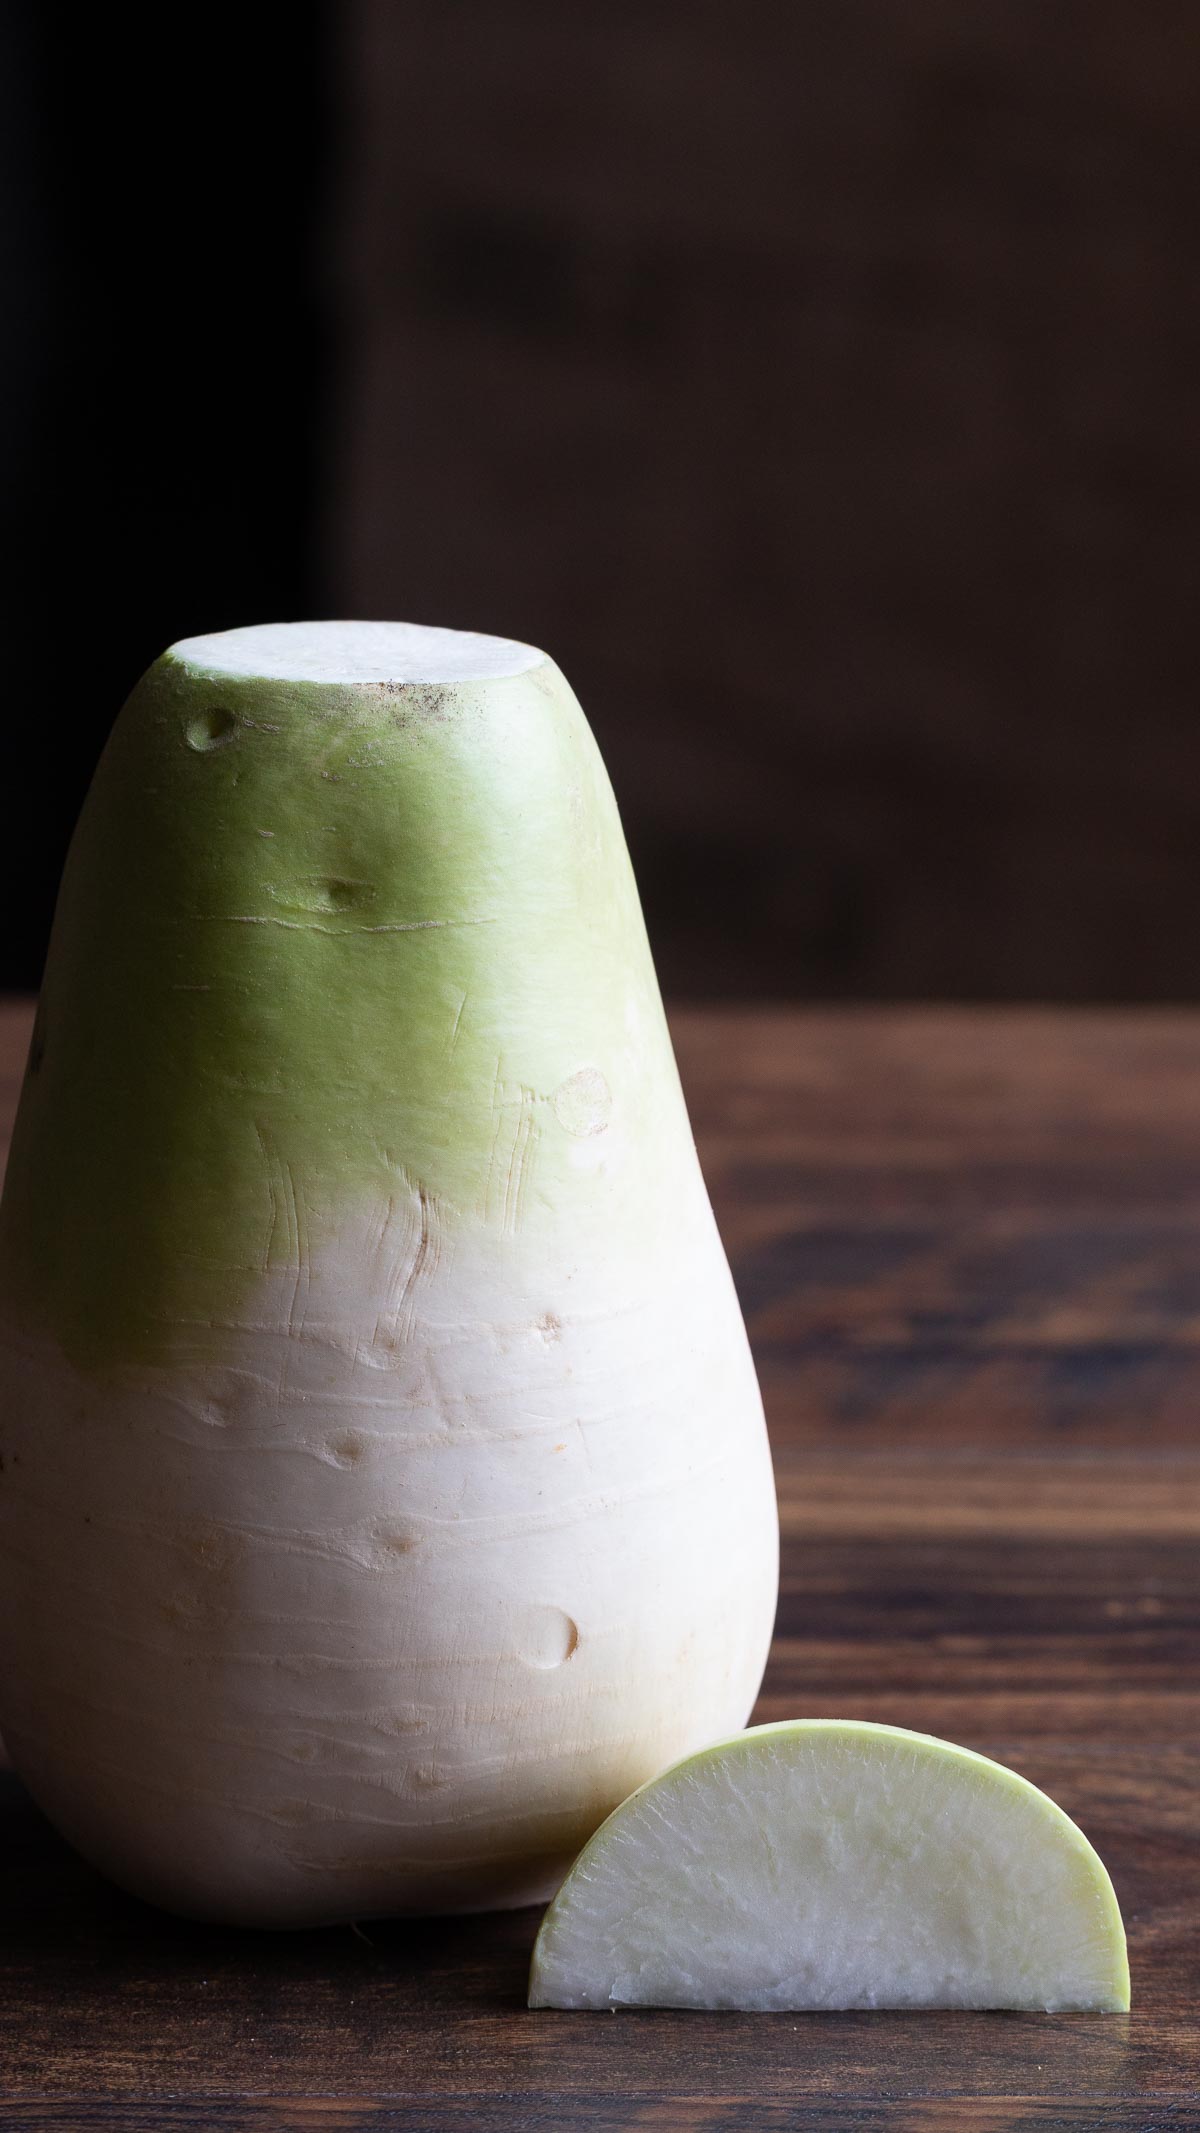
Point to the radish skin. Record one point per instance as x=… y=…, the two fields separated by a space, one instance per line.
x=385 y=1489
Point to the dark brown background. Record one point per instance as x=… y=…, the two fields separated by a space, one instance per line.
x=817 y=381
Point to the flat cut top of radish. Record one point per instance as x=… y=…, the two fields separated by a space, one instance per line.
x=343 y=653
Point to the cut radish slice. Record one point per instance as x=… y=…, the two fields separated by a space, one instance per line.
x=830 y=1864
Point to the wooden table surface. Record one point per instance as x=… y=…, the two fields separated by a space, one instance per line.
x=968 y=1245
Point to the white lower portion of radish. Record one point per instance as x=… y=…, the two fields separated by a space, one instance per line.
x=827 y=1864
x=386 y=1610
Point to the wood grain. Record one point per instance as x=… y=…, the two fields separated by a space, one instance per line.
x=968 y=1248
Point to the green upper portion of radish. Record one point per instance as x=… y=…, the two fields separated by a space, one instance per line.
x=829 y=1864
x=338 y=897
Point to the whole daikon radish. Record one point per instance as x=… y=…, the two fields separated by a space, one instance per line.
x=385 y=1491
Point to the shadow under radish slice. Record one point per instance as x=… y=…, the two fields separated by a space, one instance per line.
x=833 y=1864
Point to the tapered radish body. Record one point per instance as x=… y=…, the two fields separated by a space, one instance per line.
x=385 y=1490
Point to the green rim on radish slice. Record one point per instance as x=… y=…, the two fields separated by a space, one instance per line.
x=823 y=1863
